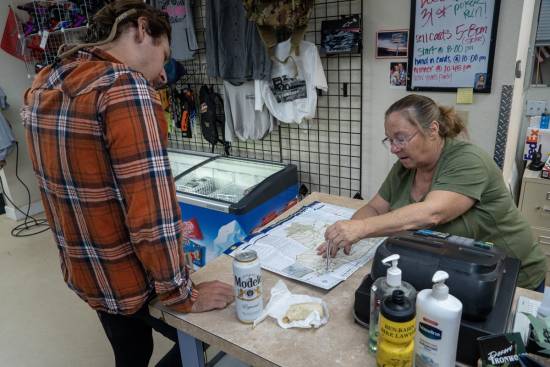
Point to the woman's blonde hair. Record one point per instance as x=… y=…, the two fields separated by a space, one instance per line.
x=421 y=111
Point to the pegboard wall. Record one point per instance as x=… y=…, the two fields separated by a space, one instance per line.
x=327 y=149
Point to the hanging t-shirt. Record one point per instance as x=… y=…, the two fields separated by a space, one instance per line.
x=7 y=140
x=290 y=95
x=241 y=120
x=234 y=49
x=184 y=41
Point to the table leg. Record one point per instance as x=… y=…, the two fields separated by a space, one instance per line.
x=192 y=353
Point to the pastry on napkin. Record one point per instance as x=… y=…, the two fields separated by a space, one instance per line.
x=294 y=310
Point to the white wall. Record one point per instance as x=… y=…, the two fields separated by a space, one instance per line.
x=14 y=81
x=482 y=115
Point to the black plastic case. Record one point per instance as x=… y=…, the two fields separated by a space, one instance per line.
x=474 y=273
x=483 y=279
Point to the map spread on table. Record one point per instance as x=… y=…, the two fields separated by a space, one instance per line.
x=289 y=248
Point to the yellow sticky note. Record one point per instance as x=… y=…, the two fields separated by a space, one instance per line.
x=465 y=95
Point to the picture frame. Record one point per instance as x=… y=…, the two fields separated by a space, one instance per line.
x=453 y=50
x=392 y=44
x=397 y=74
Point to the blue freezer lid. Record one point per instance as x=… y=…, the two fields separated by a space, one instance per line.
x=234 y=185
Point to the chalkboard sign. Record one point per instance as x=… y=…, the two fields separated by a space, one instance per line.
x=452 y=44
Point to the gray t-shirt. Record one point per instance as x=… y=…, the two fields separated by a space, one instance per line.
x=241 y=120
x=234 y=50
x=184 y=41
x=7 y=140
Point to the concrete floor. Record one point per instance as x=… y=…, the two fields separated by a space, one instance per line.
x=43 y=323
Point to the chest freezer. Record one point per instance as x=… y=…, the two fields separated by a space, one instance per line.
x=183 y=160
x=224 y=199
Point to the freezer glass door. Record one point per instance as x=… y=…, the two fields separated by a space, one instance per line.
x=181 y=162
x=226 y=179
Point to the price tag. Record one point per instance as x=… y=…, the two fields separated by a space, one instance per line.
x=44 y=39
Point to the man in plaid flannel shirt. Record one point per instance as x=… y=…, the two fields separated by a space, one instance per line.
x=97 y=139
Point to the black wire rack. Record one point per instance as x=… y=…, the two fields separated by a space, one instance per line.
x=327 y=149
x=45 y=25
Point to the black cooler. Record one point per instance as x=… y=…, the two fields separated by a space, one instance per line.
x=480 y=276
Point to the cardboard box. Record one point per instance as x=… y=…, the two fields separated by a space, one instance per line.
x=533 y=139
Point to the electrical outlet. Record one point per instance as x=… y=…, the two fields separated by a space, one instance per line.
x=535 y=108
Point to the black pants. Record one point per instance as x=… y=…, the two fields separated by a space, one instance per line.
x=132 y=338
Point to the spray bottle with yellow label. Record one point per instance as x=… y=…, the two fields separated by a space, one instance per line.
x=397 y=327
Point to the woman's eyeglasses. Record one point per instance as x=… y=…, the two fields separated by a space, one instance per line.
x=399 y=142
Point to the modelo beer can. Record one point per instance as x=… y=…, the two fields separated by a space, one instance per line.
x=248 y=286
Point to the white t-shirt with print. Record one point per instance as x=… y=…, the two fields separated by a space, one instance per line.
x=291 y=94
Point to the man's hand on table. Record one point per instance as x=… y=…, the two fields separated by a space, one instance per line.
x=213 y=295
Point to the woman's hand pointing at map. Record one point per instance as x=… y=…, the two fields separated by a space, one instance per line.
x=342 y=234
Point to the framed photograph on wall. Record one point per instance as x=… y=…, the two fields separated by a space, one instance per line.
x=392 y=44
x=398 y=74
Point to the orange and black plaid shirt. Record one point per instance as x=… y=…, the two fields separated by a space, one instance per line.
x=97 y=139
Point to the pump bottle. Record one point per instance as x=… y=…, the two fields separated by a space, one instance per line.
x=397 y=328
x=381 y=288
x=437 y=324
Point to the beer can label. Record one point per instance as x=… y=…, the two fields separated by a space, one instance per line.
x=248 y=288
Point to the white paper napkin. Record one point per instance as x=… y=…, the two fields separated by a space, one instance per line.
x=281 y=299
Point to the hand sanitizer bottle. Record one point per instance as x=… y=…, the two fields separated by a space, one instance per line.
x=437 y=324
x=381 y=288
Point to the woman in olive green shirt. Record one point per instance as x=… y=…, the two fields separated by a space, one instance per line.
x=442 y=183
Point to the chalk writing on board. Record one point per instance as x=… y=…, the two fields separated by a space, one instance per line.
x=452 y=42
